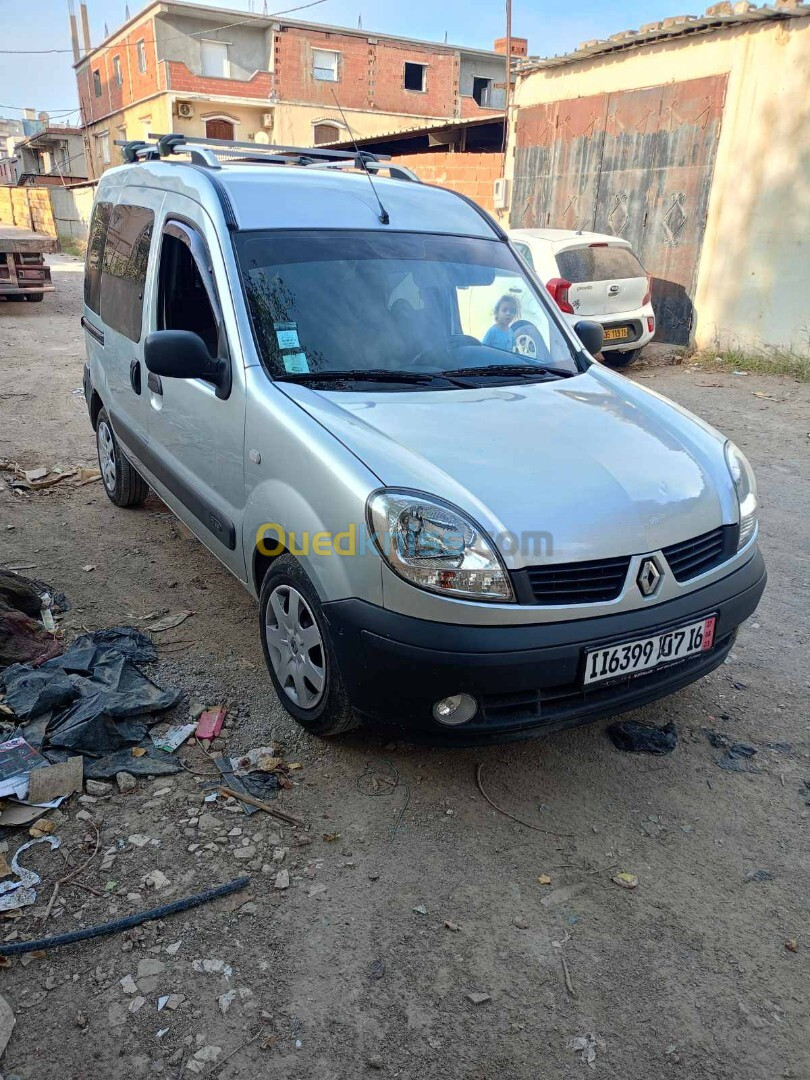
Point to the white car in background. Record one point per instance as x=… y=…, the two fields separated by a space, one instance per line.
x=591 y=276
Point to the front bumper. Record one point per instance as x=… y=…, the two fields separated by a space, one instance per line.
x=526 y=679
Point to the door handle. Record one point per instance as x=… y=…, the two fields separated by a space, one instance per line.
x=154 y=383
x=135 y=375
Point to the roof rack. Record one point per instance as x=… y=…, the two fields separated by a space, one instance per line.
x=213 y=153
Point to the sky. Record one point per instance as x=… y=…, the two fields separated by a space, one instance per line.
x=46 y=82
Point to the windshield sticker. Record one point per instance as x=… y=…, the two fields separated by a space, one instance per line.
x=287 y=335
x=296 y=363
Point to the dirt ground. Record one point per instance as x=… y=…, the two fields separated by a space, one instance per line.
x=363 y=966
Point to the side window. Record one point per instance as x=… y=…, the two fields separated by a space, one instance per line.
x=123 y=273
x=95 y=254
x=525 y=252
x=183 y=299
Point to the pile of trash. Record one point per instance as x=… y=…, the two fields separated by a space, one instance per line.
x=72 y=714
x=26 y=620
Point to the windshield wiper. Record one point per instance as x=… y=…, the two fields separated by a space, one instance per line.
x=524 y=370
x=360 y=375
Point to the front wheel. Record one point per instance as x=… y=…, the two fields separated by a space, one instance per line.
x=298 y=651
x=124 y=486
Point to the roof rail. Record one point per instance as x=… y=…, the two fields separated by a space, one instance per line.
x=213 y=153
x=176 y=143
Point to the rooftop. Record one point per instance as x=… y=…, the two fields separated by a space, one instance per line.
x=717 y=17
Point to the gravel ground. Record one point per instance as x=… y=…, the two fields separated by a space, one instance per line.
x=366 y=964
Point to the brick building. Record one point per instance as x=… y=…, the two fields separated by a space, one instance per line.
x=178 y=66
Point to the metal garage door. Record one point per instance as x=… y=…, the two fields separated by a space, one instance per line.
x=637 y=164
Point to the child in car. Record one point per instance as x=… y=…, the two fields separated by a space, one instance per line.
x=499 y=335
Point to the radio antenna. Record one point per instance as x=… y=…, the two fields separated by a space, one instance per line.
x=361 y=163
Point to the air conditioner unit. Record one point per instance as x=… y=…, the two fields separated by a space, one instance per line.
x=185 y=109
x=500 y=194
x=267 y=120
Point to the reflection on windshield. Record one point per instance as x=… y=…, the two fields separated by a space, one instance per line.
x=395 y=303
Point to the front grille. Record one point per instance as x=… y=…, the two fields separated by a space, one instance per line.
x=577 y=583
x=692 y=557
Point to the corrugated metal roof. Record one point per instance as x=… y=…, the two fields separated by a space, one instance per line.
x=427 y=128
x=717 y=17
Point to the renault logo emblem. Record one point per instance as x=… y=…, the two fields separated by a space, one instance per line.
x=649 y=577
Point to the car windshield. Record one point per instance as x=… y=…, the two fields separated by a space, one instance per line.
x=399 y=309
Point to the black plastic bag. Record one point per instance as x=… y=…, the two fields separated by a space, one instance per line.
x=636 y=738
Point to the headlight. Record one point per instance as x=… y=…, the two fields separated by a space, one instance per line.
x=436 y=546
x=746 y=486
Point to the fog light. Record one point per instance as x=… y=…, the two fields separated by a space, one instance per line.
x=457 y=709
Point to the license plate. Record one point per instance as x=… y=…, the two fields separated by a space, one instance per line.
x=618 y=333
x=643 y=654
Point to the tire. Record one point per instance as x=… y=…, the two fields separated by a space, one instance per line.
x=124 y=486
x=620 y=359
x=297 y=647
x=15 y=299
x=35 y=298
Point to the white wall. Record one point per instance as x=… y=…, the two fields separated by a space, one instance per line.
x=752 y=285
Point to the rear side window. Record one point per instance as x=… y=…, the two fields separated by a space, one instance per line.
x=95 y=254
x=525 y=252
x=123 y=271
x=598 y=264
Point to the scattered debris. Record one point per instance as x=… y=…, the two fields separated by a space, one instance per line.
x=586 y=1046
x=569 y=984
x=97 y=788
x=16 y=948
x=544 y=879
x=280 y=814
x=17 y=761
x=210 y=723
x=92 y=699
x=21 y=893
x=521 y=923
x=478 y=998
x=420 y=909
x=759 y=875
x=126 y=782
x=23 y=638
x=169 y=622
x=625 y=880
x=448 y=925
x=634 y=738
x=169 y=737
x=737 y=758
x=376 y=969
x=260 y=759
x=792 y=945
x=7 y=1022
x=282 y=880
x=56 y=781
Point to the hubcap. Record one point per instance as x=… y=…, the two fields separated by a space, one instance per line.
x=106 y=455
x=295 y=646
x=525 y=345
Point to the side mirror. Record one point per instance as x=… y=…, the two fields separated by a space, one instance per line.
x=591 y=334
x=182 y=354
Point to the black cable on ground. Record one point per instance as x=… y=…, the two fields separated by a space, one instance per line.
x=124 y=924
